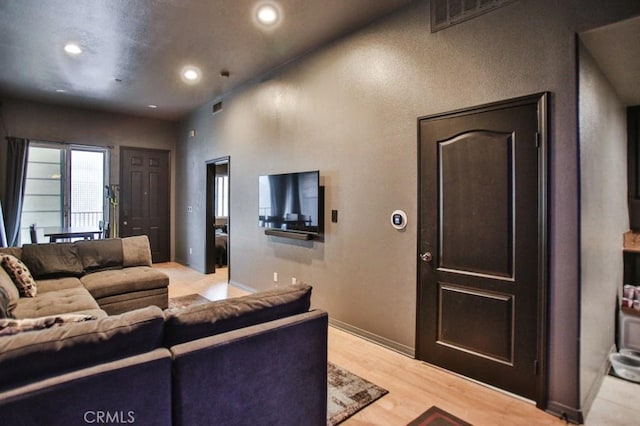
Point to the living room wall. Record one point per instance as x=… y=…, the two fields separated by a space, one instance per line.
x=54 y=123
x=350 y=110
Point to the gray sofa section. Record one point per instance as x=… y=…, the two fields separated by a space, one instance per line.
x=124 y=366
x=109 y=275
x=231 y=314
x=39 y=355
x=132 y=390
x=273 y=373
x=68 y=294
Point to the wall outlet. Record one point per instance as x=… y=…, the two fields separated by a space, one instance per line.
x=190 y=250
x=294 y=280
x=275 y=277
x=189 y=209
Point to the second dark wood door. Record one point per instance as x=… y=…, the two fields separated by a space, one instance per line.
x=144 y=198
x=481 y=284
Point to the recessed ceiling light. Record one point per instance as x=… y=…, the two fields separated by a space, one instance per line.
x=60 y=91
x=191 y=74
x=152 y=106
x=72 y=49
x=267 y=14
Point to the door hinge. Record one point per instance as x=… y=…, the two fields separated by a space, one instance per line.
x=536 y=365
x=537 y=140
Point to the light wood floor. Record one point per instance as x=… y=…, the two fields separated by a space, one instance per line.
x=415 y=386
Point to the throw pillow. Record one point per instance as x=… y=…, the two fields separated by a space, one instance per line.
x=13 y=326
x=19 y=274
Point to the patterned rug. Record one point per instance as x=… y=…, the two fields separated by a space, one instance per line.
x=435 y=416
x=187 y=300
x=348 y=394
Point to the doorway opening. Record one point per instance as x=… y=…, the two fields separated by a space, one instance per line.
x=217 y=215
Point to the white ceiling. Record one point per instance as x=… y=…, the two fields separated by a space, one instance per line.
x=616 y=48
x=134 y=50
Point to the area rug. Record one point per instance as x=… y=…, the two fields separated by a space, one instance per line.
x=347 y=394
x=187 y=300
x=435 y=416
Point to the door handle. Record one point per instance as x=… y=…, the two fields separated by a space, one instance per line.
x=426 y=256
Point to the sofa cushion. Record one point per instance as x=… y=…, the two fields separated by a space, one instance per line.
x=27 y=357
x=55 y=284
x=10 y=288
x=9 y=326
x=5 y=312
x=52 y=260
x=136 y=251
x=20 y=275
x=122 y=281
x=197 y=321
x=65 y=301
x=97 y=255
x=120 y=303
x=13 y=251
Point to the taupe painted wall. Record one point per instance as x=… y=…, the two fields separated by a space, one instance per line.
x=604 y=217
x=45 y=122
x=350 y=110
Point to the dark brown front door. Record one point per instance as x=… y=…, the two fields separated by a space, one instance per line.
x=144 y=198
x=481 y=265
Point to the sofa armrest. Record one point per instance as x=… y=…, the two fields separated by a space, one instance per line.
x=270 y=373
x=131 y=390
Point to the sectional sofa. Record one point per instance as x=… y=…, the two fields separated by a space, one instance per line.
x=94 y=277
x=108 y=352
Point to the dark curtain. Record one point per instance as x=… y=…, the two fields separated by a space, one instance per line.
x=3 y=232
x=16 y=174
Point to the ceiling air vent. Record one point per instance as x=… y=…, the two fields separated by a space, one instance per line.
x=445 y=13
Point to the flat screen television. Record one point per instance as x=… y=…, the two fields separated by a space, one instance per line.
x=290 y=202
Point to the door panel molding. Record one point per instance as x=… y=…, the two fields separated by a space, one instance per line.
x=471 y=162
x=481 y=335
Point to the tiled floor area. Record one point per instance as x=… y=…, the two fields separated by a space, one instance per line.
x=617 y=403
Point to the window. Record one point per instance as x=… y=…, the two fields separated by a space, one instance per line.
x=64 y=187
x=87 y=188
